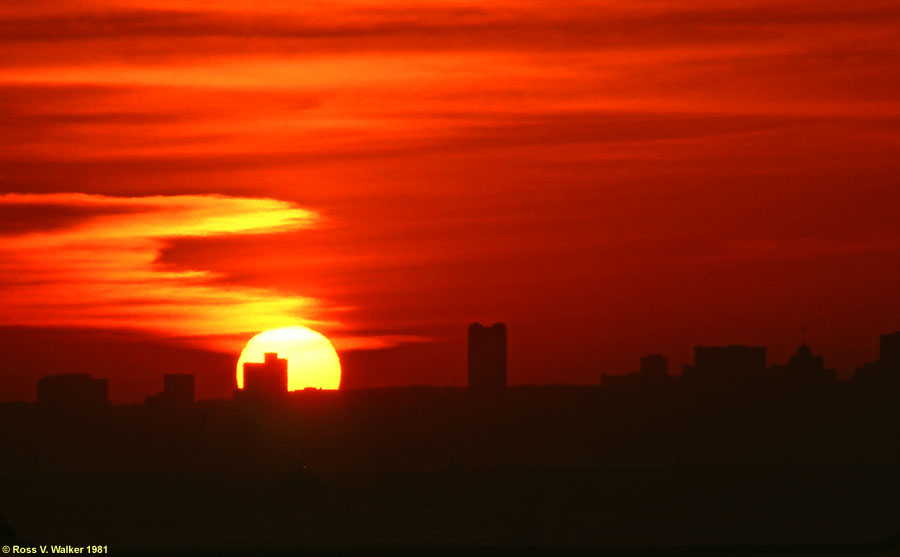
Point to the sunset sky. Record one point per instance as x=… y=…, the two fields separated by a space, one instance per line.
x=610 y=179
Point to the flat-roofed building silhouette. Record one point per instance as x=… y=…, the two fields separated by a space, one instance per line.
x=268 y=379
x=653 y=373
x=889 y=350
x=884 y=373
x=487 y=358
x=73 y=393
x=724 y=364
x=178 y=391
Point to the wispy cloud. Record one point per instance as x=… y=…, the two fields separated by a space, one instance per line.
x=100 y=269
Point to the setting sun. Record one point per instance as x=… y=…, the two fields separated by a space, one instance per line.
x=312 y=360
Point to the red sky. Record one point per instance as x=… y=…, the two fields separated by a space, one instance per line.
x=608 y=179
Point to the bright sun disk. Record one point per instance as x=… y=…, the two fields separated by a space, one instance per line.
x=312 y=360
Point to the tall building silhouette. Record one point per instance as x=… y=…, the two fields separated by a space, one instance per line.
x=487 y=358
x=72 y=393
x=268 y=379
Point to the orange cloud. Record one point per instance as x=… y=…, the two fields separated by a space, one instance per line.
x=101 y=270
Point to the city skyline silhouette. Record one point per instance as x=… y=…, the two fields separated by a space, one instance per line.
x=731 y=423
x=731 y=365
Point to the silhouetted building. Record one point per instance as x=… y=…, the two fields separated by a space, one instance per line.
x=487 y=358
x=73 y=393
x=889 y=350
x=727 y=364
x=806 y=367
x=653 y=374
x=655 y=366
x=178 y=391
x=268 y=379
x=883 y=374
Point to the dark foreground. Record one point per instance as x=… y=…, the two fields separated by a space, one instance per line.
x=798 y=508
x=761 y=469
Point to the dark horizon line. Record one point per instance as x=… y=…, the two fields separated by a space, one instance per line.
x=889 y=353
